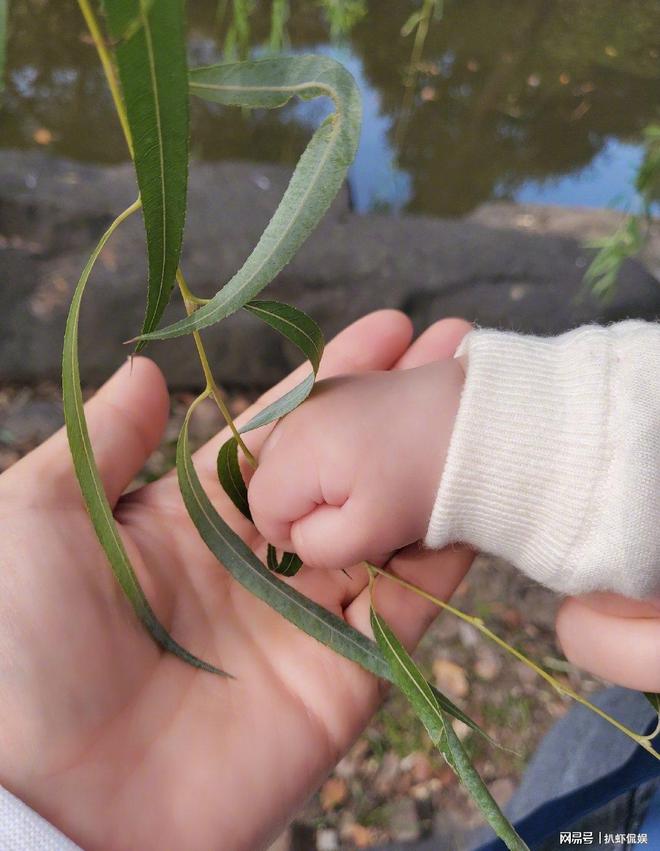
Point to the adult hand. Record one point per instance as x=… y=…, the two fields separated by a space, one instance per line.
x=613 y=637
x=122 y=746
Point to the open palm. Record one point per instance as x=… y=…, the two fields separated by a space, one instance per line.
x=125 y=747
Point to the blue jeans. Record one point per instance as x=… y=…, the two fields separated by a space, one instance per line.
x=579 y=749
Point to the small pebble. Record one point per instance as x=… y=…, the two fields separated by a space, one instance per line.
x=327 y=840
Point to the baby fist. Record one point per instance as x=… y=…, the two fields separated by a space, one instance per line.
x=352 y=474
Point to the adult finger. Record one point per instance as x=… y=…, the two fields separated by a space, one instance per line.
x=438 y=342
x=126 y=419
x=623 y=650
x=625 y=607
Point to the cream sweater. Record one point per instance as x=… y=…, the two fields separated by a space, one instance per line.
x=553 y=464
x=554 y=461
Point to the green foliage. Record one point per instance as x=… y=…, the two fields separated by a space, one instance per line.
x=235 y=19
x=629 y=239
x=316 y=180
x=237 y=39
x=288 y=565
x=87 y=472
x=154 y=79
x=430 y=8
x=303 y=332
x=231 y=478
x=343 y=15
x=647 y=182
x=279 y=18
x=603 y=272
x=411 y=681
x=654 y=700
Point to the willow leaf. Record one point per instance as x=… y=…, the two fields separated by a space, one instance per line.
x=154 y=80
x=284 y=405
x=294 y=324
x=407 y=676
x=231 y=478
x=288 y=565
x=411 y=681
x=315 y=182
x=279 y=17
x=303 y=331
x=88 y=475
x=654 y=699
x=479 y=792
x=243 y=565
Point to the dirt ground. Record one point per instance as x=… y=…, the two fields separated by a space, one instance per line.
x=392 y=785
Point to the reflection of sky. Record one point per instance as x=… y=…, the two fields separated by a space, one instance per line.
x=377 y=182
x=606 y=182
x=374 y=177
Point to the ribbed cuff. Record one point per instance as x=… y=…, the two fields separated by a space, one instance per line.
x=22 y=829
x=528 y=450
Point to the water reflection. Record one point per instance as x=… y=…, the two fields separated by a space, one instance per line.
x=540 y=100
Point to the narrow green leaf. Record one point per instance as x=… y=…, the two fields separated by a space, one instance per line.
x=315 y=182
x=87 y=472
x=411 y=681
x=3 y=41
x=294 y=324
x=279 y=17
x=303 y=331
x=154 y=79
x=602 y=274
x=654 y=700
x=407 y=676
x=231 y=478
x=343 y=15
x=243 y=565
x=284 y=405
x=288 y=565
x=479 y=793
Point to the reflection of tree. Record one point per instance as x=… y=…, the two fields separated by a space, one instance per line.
x=55 y=81
x=507 y=91
x=514 y=91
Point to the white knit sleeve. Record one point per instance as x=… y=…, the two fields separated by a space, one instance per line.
x=21 y=829
x=554 y=461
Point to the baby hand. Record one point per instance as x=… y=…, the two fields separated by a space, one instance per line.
x=353 y=473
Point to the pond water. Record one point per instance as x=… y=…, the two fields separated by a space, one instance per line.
x=533 y=100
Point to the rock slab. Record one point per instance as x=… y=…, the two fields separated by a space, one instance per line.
x=507 y=266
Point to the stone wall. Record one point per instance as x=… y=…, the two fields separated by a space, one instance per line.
x=506 y=265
